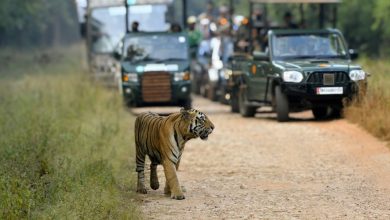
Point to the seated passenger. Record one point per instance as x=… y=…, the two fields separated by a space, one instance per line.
x=175 y=28
x=134 y=26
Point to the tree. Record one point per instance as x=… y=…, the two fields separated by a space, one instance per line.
x=382 y=22
x=356 y=19
x=37 y=23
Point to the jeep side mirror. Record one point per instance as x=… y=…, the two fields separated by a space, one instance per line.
x=353 y=54
x=257 y=55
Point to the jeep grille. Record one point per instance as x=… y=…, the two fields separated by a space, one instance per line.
x=318 y=77
x=156 y=87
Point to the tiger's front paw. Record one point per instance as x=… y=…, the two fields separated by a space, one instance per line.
x=142 y=190
x=178 y=196
x=154 y=185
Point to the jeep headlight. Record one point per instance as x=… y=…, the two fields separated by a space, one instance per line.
x=292 y=76
x=228 y=73
x=213 y=74
x=130 y=77
x=357 y=75
x=181 y=76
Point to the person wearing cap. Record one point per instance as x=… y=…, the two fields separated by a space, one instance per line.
x=194 y=35
x=242 y=36
x=225 y=33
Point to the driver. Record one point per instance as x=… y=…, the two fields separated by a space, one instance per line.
x=133 y=51
x=134 y=26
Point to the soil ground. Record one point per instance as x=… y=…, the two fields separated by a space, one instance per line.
x=257 y=168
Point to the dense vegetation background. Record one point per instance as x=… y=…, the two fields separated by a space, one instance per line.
x=64 y=141
x=50 y=22
x=37 y=23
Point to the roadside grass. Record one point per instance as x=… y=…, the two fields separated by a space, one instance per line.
x=66 y=144
x=373 y=111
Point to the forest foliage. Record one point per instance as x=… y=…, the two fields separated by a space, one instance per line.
x=38 y=23
x=366 y=24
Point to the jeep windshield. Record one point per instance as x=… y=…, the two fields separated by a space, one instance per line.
x=107 y=28
x=157 y=48
x=151 y=18
x=308 y=46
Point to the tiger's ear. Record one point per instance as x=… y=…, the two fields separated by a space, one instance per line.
x=185 y=113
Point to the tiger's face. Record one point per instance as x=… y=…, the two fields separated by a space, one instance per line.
x=200 y=125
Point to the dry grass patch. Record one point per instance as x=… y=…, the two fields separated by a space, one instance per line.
x=373 y=111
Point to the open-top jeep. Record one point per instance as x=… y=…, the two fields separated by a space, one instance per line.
x=155 y=69
x=300 y=69
x=154 y=54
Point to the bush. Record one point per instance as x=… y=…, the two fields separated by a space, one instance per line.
x=371 y=112
x=66 y=145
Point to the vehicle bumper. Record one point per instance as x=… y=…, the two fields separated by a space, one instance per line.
x=307 y=92
x=132 y=93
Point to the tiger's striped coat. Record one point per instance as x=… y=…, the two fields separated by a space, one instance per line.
x=162 y=138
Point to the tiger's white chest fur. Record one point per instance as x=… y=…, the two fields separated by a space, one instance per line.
x=176 y=146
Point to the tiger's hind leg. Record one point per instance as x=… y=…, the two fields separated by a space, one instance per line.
x=140 y=163
x=154 y=184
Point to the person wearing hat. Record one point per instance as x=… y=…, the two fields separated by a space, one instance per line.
x=194 y=35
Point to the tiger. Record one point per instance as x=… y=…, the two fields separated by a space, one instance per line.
x=162 y=138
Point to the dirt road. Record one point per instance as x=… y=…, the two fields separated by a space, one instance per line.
x=258 y=168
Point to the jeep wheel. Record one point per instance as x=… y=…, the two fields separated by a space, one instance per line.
x=195 y=86
x=203 y=91
x=212 y=93
x=186 y=104
x=320 y=113
x=222 y=98
x=245 y=110
x=282 y=107
x=234 y=106
x=336 y=112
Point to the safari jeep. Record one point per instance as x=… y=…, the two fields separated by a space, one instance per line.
x=155 y=69
x=299 y=70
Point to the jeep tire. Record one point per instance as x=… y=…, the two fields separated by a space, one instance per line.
x=212 y=93
x=336 y=112
x=234 y=105
x=320 y=113
x=245 y=110
x=282 y=106
x=186 y=103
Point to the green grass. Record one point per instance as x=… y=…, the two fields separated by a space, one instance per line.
x=66 y=144
x=372 y=112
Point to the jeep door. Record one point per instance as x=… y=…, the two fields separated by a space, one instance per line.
x=257 y=80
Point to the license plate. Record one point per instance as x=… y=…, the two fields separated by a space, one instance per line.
x=329 y=90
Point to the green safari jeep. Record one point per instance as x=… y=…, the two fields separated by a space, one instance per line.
x=155 y=69
x=299 y=70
